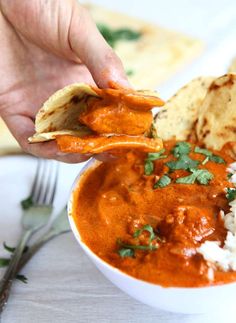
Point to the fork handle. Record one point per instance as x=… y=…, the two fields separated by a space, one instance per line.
x=6 y=281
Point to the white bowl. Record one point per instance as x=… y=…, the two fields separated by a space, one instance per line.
x=174 y=299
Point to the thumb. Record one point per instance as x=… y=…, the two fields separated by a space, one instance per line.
x=66 y=29
x=89 y=45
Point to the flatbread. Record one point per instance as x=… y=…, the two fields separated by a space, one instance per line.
x=217 y=118
x=59 y=119
x=60 y=113
x=154 y=57
x=178 y=117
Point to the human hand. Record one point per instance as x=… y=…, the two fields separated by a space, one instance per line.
x=46 y=45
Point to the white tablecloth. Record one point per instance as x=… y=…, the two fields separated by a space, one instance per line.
x=63 y=286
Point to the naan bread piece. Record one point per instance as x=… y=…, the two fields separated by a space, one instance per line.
x=177 y=118
x=100 y=119
x=61 y=111
x=217 y=118
x=154 y=57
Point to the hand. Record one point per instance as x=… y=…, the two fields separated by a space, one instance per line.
x=46 y=45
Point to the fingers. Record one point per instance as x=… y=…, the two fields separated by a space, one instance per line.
x=89 y=45
x=22 y=128
x=66 y=29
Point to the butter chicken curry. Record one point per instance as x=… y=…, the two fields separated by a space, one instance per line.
x=147 y=214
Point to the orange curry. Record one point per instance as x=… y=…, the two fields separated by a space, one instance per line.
x=147 y=215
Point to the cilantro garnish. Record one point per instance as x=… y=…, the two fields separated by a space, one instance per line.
x=155 y=156
x=181 y=148
x=229 y=175
x=128 y=250
x=147 y=228
x=4 y=262
x=9 y=249
x=27 y=203
x=112 y=36
x=149 y=166
x=22 y=278
x=202 y=151
x=181 y=152
x=184 y=162
x=209 y=156
x=231 y=194
x=217 y=159
x=129 y=72
x=162 y=182
x=202 y=176
x=134 y=246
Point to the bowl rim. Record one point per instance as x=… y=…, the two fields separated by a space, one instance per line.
x=93 y=163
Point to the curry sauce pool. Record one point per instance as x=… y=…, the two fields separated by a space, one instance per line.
x=148 y=214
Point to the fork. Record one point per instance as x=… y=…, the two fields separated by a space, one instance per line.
x=34 y=218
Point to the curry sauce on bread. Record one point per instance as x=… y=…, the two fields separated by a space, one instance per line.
x=85 y=119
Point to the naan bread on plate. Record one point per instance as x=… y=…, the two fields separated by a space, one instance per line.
x=158 y=49
x=204 y=111
x=217 y=117
x=177 y=118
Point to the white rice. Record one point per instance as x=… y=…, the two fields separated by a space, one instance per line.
x=224 y=257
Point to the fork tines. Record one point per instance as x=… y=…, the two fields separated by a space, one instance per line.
x=45 y=182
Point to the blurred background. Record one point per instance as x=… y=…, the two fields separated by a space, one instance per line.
x=163 y=44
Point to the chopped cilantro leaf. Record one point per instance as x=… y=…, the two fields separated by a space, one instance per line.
x=202 y=151
x=184 y=162
x=181 y=148
x=155 y=156
x=27 y=203
x=9 y=249
x=4 y=262
x=148 y=167
x=129 y=72
x=217 y=159
x=162 y=182
x=126 y=252
x=22 y=278
x=190 y=179
x=202 y=176
x=147 y=228
x=231 y=194
x=112 y=36
x=209 y=156
x=138 y=247
x=126 y=34
x=229 y=175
